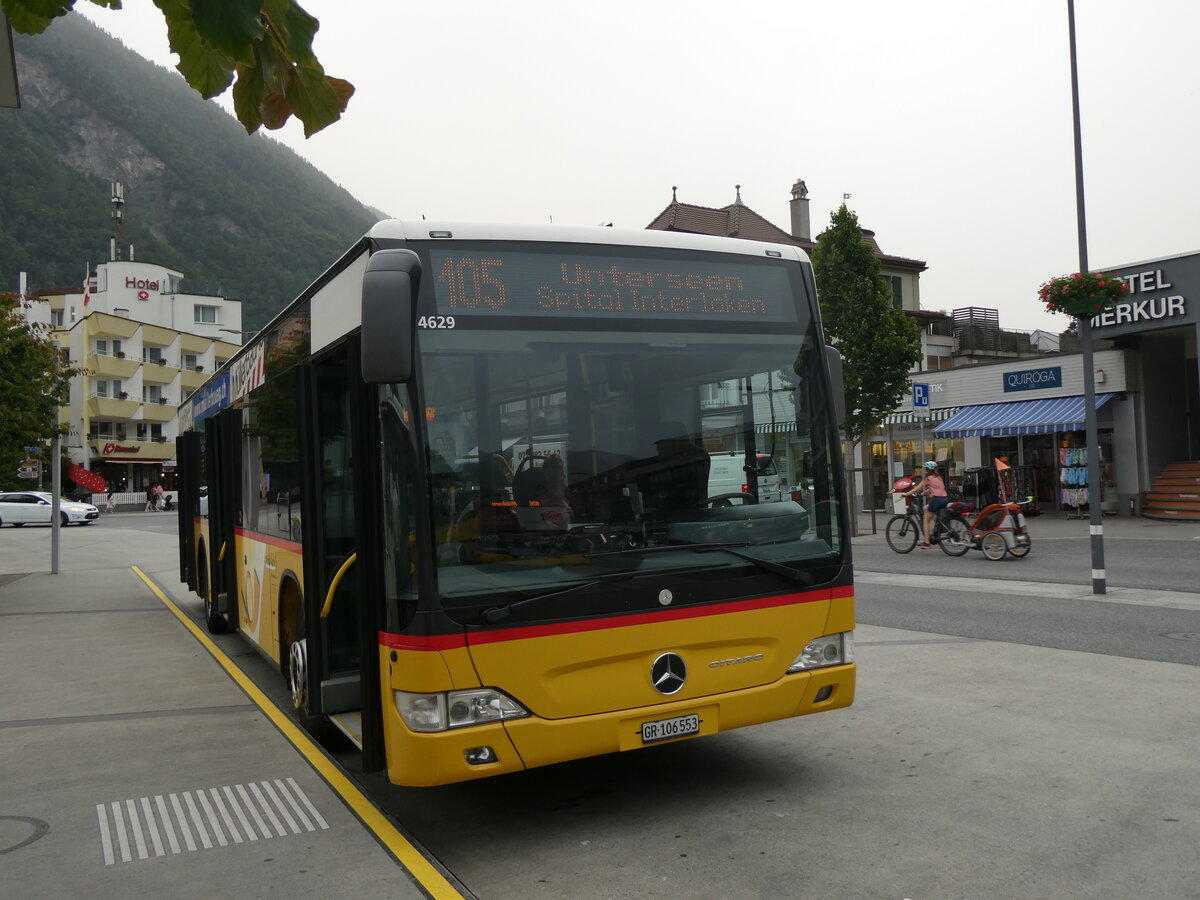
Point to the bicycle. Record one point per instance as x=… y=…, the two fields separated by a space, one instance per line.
x=951 y=531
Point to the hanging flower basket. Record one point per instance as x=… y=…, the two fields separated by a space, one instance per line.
x=1083 y=295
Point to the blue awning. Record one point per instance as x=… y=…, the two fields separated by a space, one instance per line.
x=1021 y=417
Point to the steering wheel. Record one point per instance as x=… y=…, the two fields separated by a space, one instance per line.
x=724 y=499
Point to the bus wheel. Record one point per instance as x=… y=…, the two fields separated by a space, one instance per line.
x=298 y=674
x=297 y=682
x=213 y=620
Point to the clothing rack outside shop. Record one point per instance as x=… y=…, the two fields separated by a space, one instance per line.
x=1073 y=493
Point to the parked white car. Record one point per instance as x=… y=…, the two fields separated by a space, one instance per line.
x=34 y=508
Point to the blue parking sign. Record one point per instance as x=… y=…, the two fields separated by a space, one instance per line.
x=920 y=396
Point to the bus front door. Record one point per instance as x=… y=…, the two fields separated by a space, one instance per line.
x=343 y=671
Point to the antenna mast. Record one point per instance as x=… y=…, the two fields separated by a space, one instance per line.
x=118 y=200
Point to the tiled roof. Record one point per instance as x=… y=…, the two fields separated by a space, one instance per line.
x=740 y=221
x=735 y=220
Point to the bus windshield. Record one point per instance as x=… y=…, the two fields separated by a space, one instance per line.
x=580 y=466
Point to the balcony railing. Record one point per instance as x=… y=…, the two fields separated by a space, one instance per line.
x=125 y=438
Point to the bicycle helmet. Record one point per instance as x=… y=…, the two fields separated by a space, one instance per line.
x=929 y=465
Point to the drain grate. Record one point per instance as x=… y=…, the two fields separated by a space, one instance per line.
x=204 y=819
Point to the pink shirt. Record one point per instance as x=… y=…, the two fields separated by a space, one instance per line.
x=937 y=487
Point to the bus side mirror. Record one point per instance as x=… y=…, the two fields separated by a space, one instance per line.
x=389 y=300
x=837 y=384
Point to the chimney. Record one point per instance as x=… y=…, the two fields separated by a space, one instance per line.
x=801 y=229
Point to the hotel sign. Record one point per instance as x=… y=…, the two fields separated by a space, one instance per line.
x=1158 y=298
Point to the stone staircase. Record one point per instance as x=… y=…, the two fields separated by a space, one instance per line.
x=1175 y=494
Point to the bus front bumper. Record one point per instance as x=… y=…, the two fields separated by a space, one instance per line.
x=482 y=751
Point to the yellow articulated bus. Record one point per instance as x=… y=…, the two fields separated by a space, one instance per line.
x=459 y=491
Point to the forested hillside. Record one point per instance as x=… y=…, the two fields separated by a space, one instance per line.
x=240 y=215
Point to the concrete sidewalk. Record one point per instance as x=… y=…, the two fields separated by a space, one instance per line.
x=133 y=765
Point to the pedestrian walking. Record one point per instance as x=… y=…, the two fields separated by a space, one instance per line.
x=110 y=504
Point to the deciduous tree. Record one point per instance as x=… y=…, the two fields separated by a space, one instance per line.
x=266 y=44
x=35 y=380
x=879 y=344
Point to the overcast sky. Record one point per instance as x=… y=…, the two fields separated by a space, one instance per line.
x=948 y=122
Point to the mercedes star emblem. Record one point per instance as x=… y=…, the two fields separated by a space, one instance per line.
x=668 y=673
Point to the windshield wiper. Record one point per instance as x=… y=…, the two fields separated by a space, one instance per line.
x=765 y=564
x=496 y=614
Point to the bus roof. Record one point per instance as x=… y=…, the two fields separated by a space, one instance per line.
x=217 y=392
x=422 y=229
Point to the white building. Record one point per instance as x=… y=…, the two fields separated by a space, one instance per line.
x=144 y=346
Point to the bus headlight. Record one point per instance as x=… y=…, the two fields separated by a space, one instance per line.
x=456 y=709
x=830 y=650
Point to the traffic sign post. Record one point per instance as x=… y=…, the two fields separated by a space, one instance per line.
x=920 y=402
x=920 y=397
x=30 y=468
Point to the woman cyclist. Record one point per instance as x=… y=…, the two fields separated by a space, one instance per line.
x=933 y=485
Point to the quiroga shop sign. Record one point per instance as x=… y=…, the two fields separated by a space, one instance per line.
x=1033 y=379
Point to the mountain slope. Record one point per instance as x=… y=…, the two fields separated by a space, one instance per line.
x=240 y=215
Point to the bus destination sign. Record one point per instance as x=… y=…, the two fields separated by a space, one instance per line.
x=496 y=282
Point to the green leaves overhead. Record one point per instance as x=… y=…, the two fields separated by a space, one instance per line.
x=231 y=27
x=33 y=16
x=266 y=45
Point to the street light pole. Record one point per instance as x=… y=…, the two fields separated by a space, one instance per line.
x=1095 y=513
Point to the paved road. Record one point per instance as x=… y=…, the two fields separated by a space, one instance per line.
x=1138 y=553
x=1015 y=737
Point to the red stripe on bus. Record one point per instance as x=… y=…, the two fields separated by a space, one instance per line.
x=268 y=539
x=454 y=641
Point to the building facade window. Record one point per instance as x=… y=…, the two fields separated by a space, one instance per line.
x=897 y=292
x=205 y=315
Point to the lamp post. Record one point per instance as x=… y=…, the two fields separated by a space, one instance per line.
x=1095 y=513
x=240 y=332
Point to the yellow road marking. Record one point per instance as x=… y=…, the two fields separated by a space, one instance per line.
x=412 y=859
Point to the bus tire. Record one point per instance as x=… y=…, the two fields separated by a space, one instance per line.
x=297 y=684
x=213 y=620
